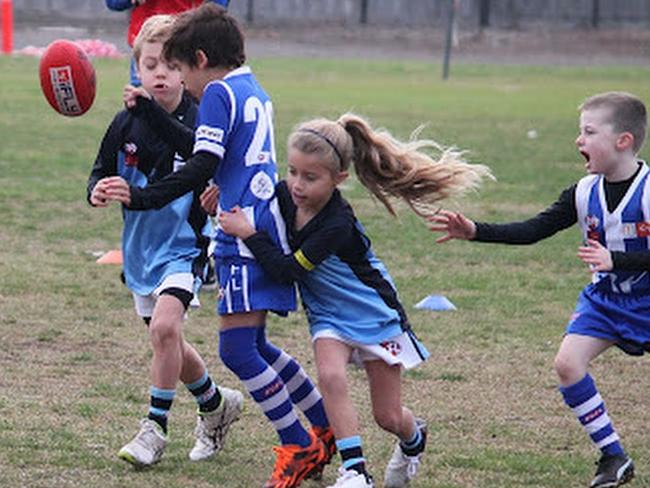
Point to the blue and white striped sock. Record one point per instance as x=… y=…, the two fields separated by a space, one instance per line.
x=588 y=406
x=239 y=353
x=302 y=390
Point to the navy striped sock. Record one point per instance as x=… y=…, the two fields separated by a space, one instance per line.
x=588 y=406
x=205 y=393
x=160 y=403
x=302 y=390
x=239 y=353
x=352 y=454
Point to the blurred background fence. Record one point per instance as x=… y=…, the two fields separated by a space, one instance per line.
x=470 y=14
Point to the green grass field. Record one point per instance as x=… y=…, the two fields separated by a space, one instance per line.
x=74 y=358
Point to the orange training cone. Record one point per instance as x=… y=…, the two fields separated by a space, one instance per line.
x=111 y=257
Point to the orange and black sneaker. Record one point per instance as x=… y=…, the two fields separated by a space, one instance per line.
x=294 y=463
x=326 y=435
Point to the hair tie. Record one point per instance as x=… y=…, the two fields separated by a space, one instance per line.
x=327 y=140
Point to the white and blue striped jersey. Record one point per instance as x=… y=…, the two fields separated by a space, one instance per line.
x=236 y=125
x=626 y=228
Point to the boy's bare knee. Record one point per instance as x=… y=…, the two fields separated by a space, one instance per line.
x=567 y=369
x=163 y=331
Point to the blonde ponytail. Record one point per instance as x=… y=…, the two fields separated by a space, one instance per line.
x=408 y=171
x=389 y=168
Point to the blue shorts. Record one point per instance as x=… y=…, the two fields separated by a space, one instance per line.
x=244 y=287
x=622 y=318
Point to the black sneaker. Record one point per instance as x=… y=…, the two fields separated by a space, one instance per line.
x=613 y=471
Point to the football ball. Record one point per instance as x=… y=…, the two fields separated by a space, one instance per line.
x=67 y=78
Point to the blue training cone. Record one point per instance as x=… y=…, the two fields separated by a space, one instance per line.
x=435 y=302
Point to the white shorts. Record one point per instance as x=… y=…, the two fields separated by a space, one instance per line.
x=403 y=349
x=144 y=304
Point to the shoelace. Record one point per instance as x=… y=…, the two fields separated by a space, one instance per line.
x=413 y=466
x=346 y=474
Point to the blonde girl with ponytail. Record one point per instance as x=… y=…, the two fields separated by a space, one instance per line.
x=350 y=300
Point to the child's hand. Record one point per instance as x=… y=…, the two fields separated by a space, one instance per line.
x=596 y=256
x=209 y=199
x=98 y=197
x=131 y=93
x=116 y=189
x=455 y=224
x=236 y=223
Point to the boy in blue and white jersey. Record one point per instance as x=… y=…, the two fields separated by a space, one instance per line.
x=612 y=207
x=165 y=250
x=234 y=147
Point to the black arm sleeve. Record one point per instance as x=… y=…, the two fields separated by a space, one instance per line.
x=560 y=215
x=283 y=268
x=198 y=170
x=176 y=134
x=286 y=268
x=106 y=160
x=631 y=261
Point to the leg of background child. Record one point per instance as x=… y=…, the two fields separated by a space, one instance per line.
x=332 y=357
x=165 y=335
x=386 y=396
x=580 y=394
x=218 y=407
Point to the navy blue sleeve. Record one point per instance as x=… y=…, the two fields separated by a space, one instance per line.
x=286 y=268
x=631 y=261
x=194 y=175
x=176 y=134
x=560 y=215
x=106 y=160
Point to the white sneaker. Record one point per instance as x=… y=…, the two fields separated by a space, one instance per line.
x=147 y=447
x=401 y=468
x=211 y=428
x=349 y=478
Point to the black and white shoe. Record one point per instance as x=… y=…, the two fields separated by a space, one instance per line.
x=613 y=471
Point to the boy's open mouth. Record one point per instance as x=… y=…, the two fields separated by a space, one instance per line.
x=585 y=155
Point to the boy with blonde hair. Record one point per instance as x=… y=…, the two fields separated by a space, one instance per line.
x=165 y=250
x=612 y=207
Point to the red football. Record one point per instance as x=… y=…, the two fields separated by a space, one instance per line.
x=67 y=78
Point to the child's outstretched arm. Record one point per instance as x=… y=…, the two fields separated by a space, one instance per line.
x=455 y=224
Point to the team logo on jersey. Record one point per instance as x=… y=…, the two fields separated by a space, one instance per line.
x=262 y=186
x=264 y=157
x=592 y=227
x=392 y=347
x=130 y=154
x=643 y=229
